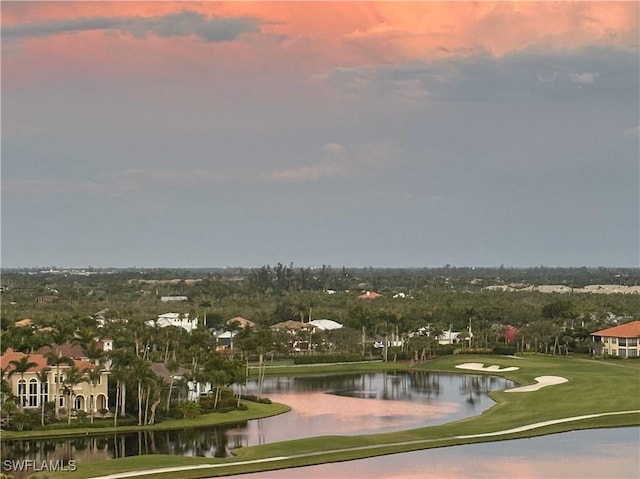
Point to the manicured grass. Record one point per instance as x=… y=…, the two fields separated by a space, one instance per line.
x=593 y=387
x=291 y=369
x=255 y=411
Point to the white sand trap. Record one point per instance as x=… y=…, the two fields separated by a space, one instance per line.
x=542 y=381
x=482 y=367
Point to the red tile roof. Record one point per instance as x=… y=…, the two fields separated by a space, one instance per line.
x=245 y=323
x=70 y=350
x=40 y=360
x=629 y=330
x=369 y=295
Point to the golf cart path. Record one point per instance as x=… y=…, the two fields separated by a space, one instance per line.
x=526 y=427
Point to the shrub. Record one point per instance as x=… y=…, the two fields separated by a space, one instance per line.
x=189 y=409
x=473 y=351
x=329 y=358
x=254 y=398
x=505 y=350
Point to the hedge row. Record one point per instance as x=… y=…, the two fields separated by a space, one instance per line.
x=329 y=358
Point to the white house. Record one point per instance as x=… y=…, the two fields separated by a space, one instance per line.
x=168 y=299
x=181 y=320
x=325 y=324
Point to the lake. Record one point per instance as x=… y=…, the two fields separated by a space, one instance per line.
x=331 y=404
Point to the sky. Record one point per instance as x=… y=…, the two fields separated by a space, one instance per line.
x=384 y=134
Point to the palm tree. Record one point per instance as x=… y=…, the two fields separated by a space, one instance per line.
x=21 y=366
x=56 y=359
x=93 y=352
x=5 y=388
x=121 y=373
x=141 y=371
x=72 y=378
x=43 y=377
x=172 y=367
x=93 y=378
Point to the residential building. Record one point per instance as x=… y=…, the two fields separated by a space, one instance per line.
x=369 y=295
x=181 y=320
x=31 y=393
x=621 y=341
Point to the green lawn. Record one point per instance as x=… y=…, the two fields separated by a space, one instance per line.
x=255 y=411
x=593 y=387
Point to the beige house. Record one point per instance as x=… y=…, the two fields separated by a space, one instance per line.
x=621 y=341
x=31 y=392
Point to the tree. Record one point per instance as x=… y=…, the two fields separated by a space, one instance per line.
x=72 y=378
x=5 y=388
x=21 y=366
x=55 y=359
x=93 y=378
x=43 y=378
x=172 y=367
x=143 y=375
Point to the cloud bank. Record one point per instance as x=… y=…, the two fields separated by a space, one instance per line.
x=182 y=24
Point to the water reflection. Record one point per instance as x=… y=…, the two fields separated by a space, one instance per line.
x=332 y=404
x=591 y=454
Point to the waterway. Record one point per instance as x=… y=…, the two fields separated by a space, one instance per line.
x=331 y=404
x=591 y=454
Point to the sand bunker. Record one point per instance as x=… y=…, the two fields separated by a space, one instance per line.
x=482 y=367
x=542 y=381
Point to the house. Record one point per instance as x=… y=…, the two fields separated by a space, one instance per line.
x=168 y=299
x=325 y=324
x=31 y=392
x=369 y=295
x=620 y=341
x=293 y=326
x=242 y=322
x=299 y=332
x=224 y=339
x=181 y=320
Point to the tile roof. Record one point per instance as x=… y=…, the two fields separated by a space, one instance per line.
x=292 y=325
x=70 y=350
x=40 y=360
x=629 y=330
x=369 y=295
x=245 y=323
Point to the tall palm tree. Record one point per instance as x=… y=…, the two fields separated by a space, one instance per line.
x=172 y=367
x=121 y=373
x=43 y=378
x=142 y=373
x=5 y=388
x=93 y=352
x=21 y=366
x=93 y=378
x=72 y=378
x=56 y=359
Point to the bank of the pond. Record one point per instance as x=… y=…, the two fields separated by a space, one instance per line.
x=254 y=411
x=597 y=394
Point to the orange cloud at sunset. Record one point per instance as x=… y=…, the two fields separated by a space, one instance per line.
x=357 y=33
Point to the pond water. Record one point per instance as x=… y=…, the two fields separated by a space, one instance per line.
x=590 y=454
x=332 y=404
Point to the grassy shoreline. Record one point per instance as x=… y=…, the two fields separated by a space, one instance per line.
x=594 y=387
x=255 y=411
